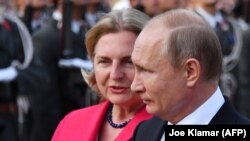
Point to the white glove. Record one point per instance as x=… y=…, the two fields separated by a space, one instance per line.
x=8 y=74
x=75 y=62
x=23 y=108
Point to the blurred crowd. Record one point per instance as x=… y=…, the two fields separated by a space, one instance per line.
x=42 y=52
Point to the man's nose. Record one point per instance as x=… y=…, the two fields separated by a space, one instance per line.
x=136 y=86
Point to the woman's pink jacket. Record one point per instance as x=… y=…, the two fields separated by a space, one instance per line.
x=84 y=124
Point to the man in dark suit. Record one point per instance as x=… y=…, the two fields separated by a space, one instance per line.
x=230 y=37
x=178 y=62
x=244 y=81
x=21 y=74
x=66 y=88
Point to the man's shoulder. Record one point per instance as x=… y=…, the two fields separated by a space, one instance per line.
x=151 y=129
x=243 y=120
x=152 y=121
x=227 y=114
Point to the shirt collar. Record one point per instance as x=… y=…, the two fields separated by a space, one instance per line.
x=211 y=107
x=211 y=19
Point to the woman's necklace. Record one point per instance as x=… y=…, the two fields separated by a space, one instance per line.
x=109 y=119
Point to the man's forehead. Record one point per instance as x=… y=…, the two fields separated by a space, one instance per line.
x=149 y=37
x=147 y=46
x=143 y=36
x=140 y=45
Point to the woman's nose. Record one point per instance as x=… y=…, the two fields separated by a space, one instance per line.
x=116 y=72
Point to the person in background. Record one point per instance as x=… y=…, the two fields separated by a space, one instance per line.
x=50 y=106
x=149 y=7
x=109 y=44
x=155 y=7
x=230 y=37
x=20 y=74
x=233 y=9
x=166 y=5
x=244 y=81
x=180 y=84
x=34 y=13
x=72 y=57
x=94 y=10
x=11 y=51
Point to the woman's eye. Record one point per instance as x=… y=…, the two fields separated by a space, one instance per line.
x=128 y=61
x=102 y=61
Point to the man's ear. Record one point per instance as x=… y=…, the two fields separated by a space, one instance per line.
x=192 y=71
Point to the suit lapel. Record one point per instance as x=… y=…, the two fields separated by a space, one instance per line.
x=226 y=114
x=151 y=130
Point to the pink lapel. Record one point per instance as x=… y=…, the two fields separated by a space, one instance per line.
x=127 y=132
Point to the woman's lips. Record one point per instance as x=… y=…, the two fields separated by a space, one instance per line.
x=118 y=89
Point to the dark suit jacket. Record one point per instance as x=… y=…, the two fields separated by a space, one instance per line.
x=45 y=102
x=53 y=103
x=152 y=130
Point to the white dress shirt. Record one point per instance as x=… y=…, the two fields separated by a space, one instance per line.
x=199 y=117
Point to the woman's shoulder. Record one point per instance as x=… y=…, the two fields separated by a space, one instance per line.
x=75 y=122
x=97 y=108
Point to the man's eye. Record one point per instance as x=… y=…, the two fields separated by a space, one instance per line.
x=144 y=70
x=140 y=69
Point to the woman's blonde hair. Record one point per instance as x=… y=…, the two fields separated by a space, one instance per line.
x=115 y=21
